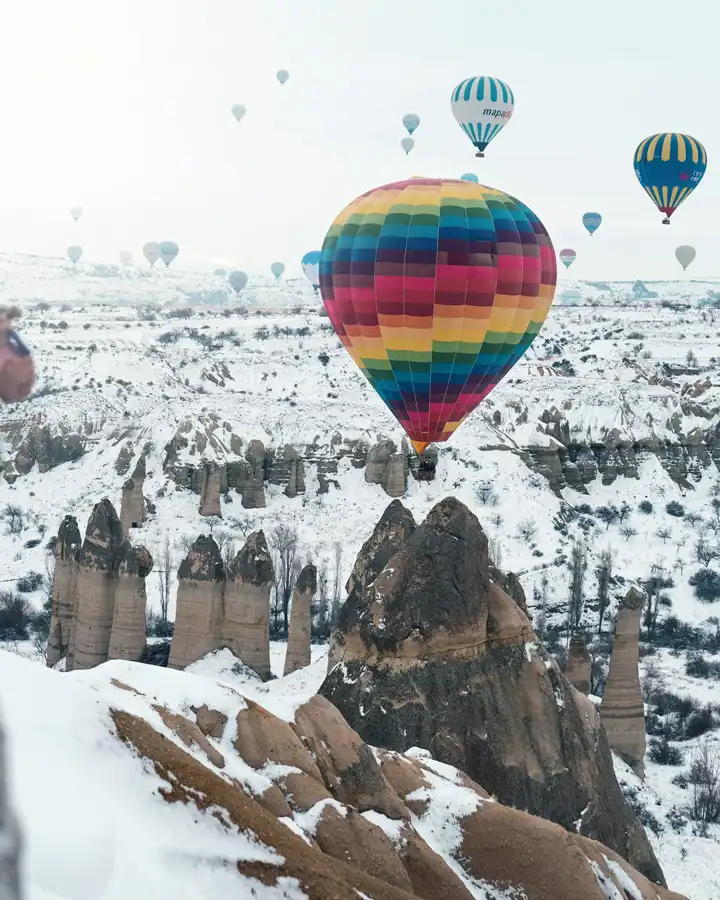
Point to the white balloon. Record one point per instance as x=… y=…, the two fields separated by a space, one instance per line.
x=277 y=268
x=312 y=273
x=151 y=252
x=685 y=254
x=125 y=257
x=407 y=143
x=282 y=75
x=237 y=280
x=238 y=110
x=74 y=253
x=76 y=212
x=482 y=107
x=168 y=251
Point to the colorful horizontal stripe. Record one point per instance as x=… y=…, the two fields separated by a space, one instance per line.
x=436 y=287
x=669 y=166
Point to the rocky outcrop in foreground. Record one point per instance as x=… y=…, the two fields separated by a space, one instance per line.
x=577 y=670
x=347 y=821
x=218 y=608
x=297 y=655
x=432 y=653
x=622 y=709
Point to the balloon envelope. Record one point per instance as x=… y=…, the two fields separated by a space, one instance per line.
x=74 y=253
x=151 y=252
x=482 y=107
x=168 y=251
x=670 y=166
x=238 y=110
x=125 y=257
x=570 y=297
x=592 y=221
x=567 y=257
x=76 y=212
x=469 y=176
x=237 y=280
x=311 y=267
x=282 y=75
x=407 y=144
x=277 y=268
x=685 y=255
x=411 y=122
x=432 y=324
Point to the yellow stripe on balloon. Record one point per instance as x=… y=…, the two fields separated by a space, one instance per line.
x=665 y=195
x=694 y=148
x=656 y=194
x=666 y=146
x=682 y=148
x=641 y=149
x=673 y=196
x=652 y=146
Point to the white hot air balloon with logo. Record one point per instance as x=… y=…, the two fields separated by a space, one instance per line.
x=482 y=107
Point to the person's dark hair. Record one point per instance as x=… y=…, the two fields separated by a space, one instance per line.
x=11 y=312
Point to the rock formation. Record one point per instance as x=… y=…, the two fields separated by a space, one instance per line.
x=253 y=496
x=297 y=655
x=67 y=545
x=622 y=710
x=210 y=490
x=217 y=609
x=433 y=654
x=387 y=467
x=132 y=508
x=201 y=579
x=577 y=670
x=245 y=626
x=127 y=636
x=9 y=836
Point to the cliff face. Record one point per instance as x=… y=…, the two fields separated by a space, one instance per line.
x=432 y=653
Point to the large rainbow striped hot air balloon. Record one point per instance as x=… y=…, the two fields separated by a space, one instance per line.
x=670 y=166
x=436 y=288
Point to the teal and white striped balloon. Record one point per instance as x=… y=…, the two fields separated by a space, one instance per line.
x=482 y=107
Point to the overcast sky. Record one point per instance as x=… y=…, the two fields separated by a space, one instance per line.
x=123 y=106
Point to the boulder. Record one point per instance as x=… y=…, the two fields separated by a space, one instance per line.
x=297 y=655
x=66 y=548
x=577 y=670
x=622 y=709
x=434 y=654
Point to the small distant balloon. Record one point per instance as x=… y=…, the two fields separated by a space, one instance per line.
x=74 y=253
x=277 y=268
x=168 y=251
x=76 y=212
x=567 y=257
x=237 y=280
x=407 y=144
x=221 y=273
x=571 y=297
x=685 y=254
x=482 y=108
x=125 y=257
x=411 y=122
x=282 y=75
x=238 y=110
x=592 y=221
x=470 y=176
x=311 y=267
x=151 y=252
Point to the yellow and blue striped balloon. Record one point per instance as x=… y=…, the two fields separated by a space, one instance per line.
x=670 y=166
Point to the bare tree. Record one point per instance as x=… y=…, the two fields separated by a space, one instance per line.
x=485 y=493
x=15 y=518
x=527 y=529
x=714 y=523
x=578 y=570
x=495 y=552
x=337 y=575
x=164 y=573
x=284 y=542
x=627 y=531
x=704 y=553
x=226 y=543
x=705 y=779
x=603 y=573
x=663 y=534
x=624 y=512
x=540 y=602
x=653 y=586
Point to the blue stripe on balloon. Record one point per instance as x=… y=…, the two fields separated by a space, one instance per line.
x=468 y=88
x=503 y=88
x=493 y=90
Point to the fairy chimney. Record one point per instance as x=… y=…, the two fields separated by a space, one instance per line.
x=201 y=578
x=298 y=647
x=210 y=490
x=67 y=545
x=127 y=637
x=98 y=563
x=577 y=670
x=132 y=508
x=245 y=627
x=622 y=710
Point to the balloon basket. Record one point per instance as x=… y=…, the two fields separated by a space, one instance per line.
x=666 y=221
x=480 y=154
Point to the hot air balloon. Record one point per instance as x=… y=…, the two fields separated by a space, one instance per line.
x=222 y=273
x=570 y=297
x=431 y=316
x=407 y=144
x=670 y=166
x=282 y=75
x=237 y=280
x=592 y=221
x=482 y=107
x=168 y=251
x=238 y=110
x=311 y=267
x=74 y=253
x=277 y=268
x=567 y=257
x=411 y=122
x=685 y=255
x=469 y=176
x=76 y=212
x=151 y=252
x=125 y=257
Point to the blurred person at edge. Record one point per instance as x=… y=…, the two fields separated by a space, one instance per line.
x=17 y=370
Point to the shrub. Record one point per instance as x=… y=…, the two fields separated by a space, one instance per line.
x=485 y=494
x=323 y=358
x=15 y=518
x=262 y=333
x=681 y=780
x=30 y=582
x=704 y=777
x=699 y=722
x=645 y=506
x=662 y=752
x=706 y=585
x=699 y=666
x=15 y=615
x=180 y=313
x=675 y=509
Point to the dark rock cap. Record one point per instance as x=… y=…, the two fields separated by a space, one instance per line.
x=68 y=540
x=203 y=561
x=253 y=563
x=104 y=539
x=307 y=579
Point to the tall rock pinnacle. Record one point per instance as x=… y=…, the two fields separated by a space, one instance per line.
x=67 y=547
x=298 y=646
